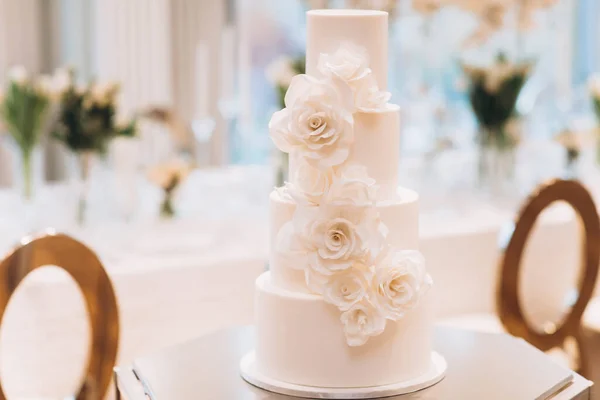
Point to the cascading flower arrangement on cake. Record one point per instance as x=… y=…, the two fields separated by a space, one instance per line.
x=336 y=236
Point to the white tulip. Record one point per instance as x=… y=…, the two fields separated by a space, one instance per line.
x=44 y=85
x=18 y=75
x=62 y=80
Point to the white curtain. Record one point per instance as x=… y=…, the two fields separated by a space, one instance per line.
x=20 y=44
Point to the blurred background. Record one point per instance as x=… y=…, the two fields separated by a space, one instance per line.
x=140 y=127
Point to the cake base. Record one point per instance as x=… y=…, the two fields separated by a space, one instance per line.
x=435 y=374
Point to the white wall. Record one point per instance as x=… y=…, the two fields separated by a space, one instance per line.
x=132 y=44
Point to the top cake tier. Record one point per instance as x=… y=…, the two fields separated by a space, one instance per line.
x=326 y=29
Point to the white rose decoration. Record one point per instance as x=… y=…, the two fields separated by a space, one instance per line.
x=362 y=321
x=343 y=289
x=352 y=186
x=317 y=122
x=309 y=184
x=349 y=66
x=369 y=98
x=400 y=281
x=329 y=239
x=350 y=63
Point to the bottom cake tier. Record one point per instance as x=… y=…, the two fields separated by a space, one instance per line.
x=300 y=340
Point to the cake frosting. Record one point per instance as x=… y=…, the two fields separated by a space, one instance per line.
x=347 y=300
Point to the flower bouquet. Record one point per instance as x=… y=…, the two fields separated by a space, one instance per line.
x=168 y=177
x=280 y=73
x=85 y=124
x=24 y=110
x=493 y=92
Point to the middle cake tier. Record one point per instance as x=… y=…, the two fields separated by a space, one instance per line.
x=401 y=217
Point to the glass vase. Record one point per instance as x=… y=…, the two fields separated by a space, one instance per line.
x=496 y=162
x=84 y=165
x=125 y=160
x=27 y=170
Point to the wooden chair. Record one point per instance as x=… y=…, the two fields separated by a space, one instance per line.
x=510 y=317
x=87 y=271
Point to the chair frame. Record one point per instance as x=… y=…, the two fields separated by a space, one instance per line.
x=86 y=269
x=509 y=306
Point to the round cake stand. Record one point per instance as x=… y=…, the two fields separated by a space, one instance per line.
x=434 y=375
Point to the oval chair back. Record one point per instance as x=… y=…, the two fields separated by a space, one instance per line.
x=510 y=309
x=101 y=304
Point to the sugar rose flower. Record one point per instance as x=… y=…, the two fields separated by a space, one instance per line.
x=369 y=98
x=362 y=321
x=330 y=239
x=352 y=186
x=349 y=66
x=308 y=184
x=349 y=63
x=343 y=289
x=316 y=122
x=400 y=281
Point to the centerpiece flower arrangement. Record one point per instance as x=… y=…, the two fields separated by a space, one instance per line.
x=280 y=73
x=493 y=92
x=169 y=176
x=86 y=124
x=493 y=89
x=336 y=236
x=24 y=110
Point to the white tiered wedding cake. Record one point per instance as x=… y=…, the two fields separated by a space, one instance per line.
x=347 y=301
